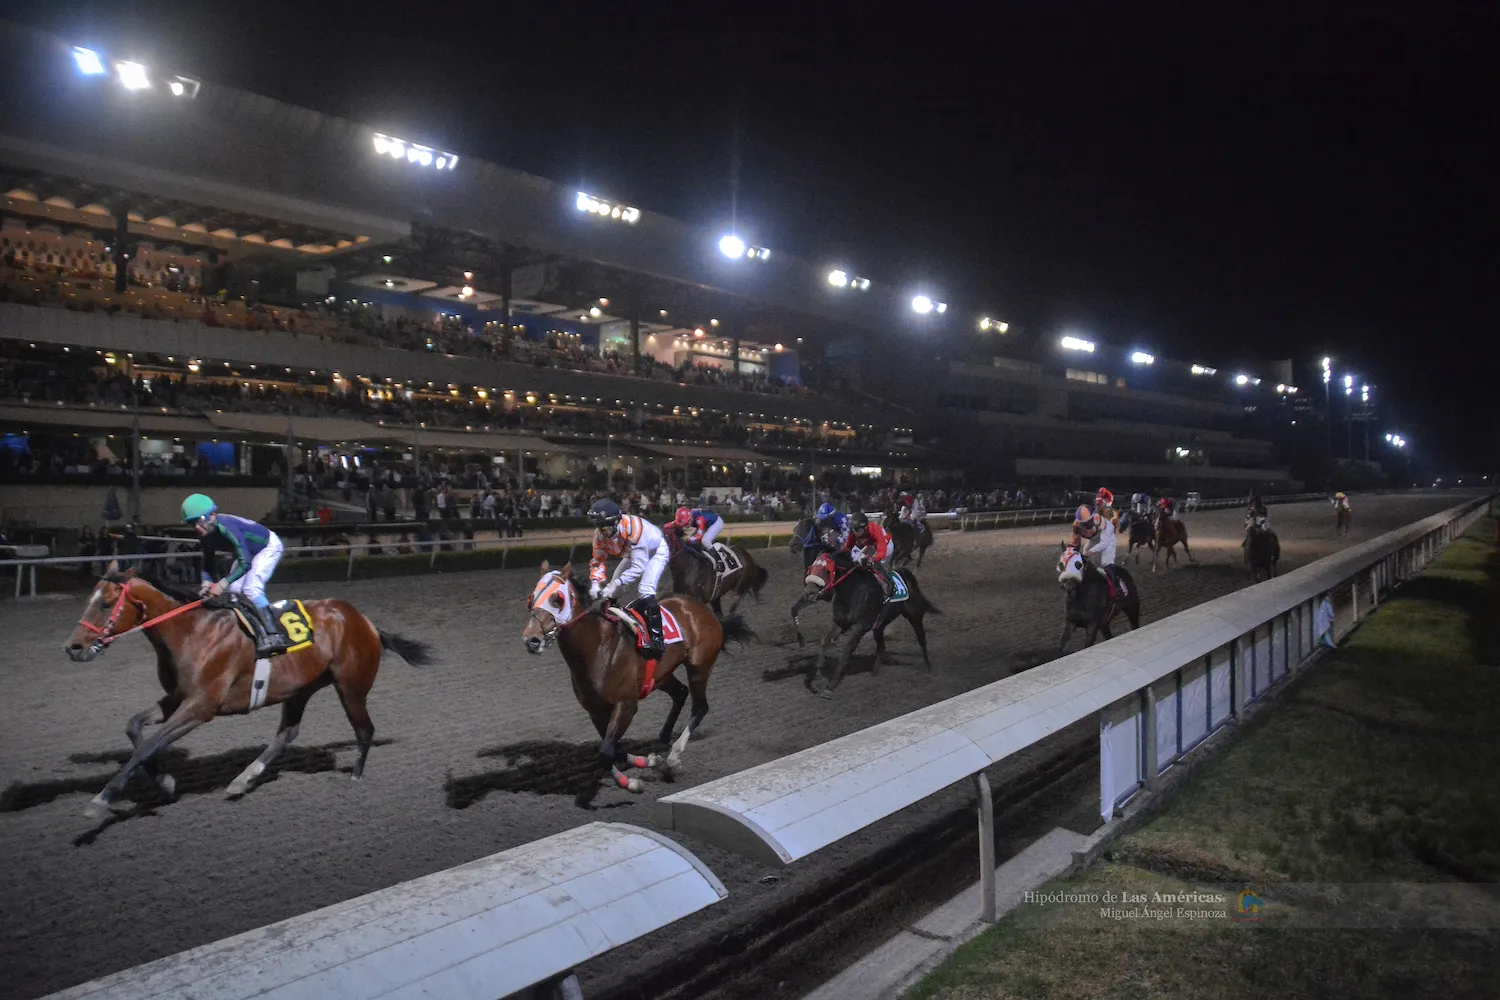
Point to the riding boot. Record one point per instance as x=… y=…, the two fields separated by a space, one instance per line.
x=884 y=578
x=658 y=645
x=269 y=639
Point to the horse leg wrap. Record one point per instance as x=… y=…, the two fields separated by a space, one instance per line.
x=635 y=760
x=624 y=783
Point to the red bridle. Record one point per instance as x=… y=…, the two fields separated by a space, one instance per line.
x=107 y=634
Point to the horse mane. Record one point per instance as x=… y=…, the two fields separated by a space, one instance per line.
x=169 y=589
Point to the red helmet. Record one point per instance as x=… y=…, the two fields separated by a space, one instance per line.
x=684 y=517
x=1105 y=496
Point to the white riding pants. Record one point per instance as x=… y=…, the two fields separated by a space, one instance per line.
x=252 y=586
x=644 y=565
x=712 y=533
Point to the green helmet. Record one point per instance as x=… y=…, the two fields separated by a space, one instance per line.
x=195 y=506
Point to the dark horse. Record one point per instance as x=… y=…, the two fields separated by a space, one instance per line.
x=610 y=677
x=694 y=575
x=1342 y=518
x=1139 y=532
x=1262 y=550
x=907 y=537
x=1168 y=532
x=805 y=540
x=1089 y=605
x=206 y=665
x=858 y=606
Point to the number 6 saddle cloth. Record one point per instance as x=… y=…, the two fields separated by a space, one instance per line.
x=293 y=618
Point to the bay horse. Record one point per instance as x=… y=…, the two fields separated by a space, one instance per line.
x=1139 y=532
x=1167 y=533
x=206 y=666
x=906 y=538
x=1262 y=550
x=859 y=605
x=1088 y=604
x=610 y=677
x=694 y=575
x=1343 y=517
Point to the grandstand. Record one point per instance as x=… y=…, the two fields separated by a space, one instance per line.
x=253 y=292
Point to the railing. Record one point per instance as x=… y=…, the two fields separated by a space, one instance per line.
x=503 y=553
x=1053 y=515
x=512 y=924
x=1158 y=692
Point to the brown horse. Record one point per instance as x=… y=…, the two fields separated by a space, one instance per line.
x=610 y=677
x=693 y=575
x=1169 y=532
x=1342 y=518
x=206 y=665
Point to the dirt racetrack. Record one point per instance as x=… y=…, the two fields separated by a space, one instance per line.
x=478 y=752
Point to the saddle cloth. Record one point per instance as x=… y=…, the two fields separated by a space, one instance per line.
x=725 y=559
x=899 y=592
x=636 y=622
x=293 y=618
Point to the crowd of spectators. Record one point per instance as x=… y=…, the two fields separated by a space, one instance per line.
x=41 y=268
x=85 y=378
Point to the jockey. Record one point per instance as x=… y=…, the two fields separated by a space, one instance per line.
x=828 y=517
x=644 y=553
x=864 y=537
x=699 y=527
x=1168 y=507
x=1098 y=528
x=1340 y=500
x=1256 y=513
x=1140 y=503
x=256 y=550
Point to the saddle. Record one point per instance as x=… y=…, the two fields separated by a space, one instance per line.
x=293 y=618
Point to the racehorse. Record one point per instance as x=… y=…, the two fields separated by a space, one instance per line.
x=858 y=606
x=610 y=677
x=805 y=527
x=207 y=666
x=1167 y=533
x=1138 y=530
x=1088 y=603
x=1262 y=550
x=907 y=537
x=1342 y=518
x=694 y=575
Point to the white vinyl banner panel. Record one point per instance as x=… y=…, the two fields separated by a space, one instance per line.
x=1194 y=698
x=1123 y=736
x=1166 y=721
x=1278 y=648
x=1220 y=686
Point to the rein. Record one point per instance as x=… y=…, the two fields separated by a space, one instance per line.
x=107 y=634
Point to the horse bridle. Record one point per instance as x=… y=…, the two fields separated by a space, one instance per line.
x=106 y=635
x=549 y=634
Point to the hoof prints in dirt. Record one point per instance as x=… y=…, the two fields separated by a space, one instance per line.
x=194 y=775
x=545 y=767
x=799 y=665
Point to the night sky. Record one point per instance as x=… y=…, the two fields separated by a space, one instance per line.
x=1254 y=182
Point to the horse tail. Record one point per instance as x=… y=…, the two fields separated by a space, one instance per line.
x=911 y=583
x=758 y=579
x=737 y=628
x=416 y=653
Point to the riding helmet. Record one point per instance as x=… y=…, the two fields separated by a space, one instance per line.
x=826 y=511
x=196 y=506
x=1105 y=497
x=684 y=517
x=858 y=521
x=604 y=512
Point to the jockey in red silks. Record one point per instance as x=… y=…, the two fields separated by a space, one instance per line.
x=1168 y=507
x=870 y=546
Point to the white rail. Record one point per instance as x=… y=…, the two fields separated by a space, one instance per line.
x=1157 y=691
x=492 y=928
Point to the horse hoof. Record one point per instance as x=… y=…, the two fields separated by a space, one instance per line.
x=97 y=808
x=237 y=789
x=168 y=785
x=824 y=693
x=654 y=760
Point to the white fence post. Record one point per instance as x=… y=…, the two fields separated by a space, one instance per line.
x=986 y=849
x=1150 y=763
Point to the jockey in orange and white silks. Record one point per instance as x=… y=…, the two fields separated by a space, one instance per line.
x=644 y=553
x=1341 y=501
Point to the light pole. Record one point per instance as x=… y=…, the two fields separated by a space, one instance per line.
x=1349 y=417
x=1328 y=405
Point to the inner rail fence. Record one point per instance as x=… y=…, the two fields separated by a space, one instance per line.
x=458 y=552
x=518 y=923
